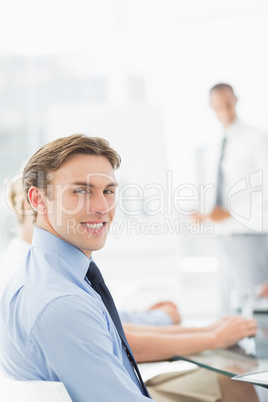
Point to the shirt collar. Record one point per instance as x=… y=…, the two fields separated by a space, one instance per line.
x=71 y=255
x=228 y=131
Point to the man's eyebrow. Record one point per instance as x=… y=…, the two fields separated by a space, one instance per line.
x=113 y=184
x=86 y=184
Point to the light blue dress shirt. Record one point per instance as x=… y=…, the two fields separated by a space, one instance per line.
x=54 y=327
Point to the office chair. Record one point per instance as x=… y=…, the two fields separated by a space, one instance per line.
x=32 y=391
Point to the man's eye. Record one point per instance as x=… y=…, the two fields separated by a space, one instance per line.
x=108 y=192
x=80 y=191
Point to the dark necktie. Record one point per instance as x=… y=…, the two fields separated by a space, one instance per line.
x=219 y=194
x=97 y=282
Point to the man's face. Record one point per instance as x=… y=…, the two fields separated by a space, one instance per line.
x=81 y=202
x=223 y=102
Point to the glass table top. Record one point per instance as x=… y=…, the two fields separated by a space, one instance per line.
x=236 y=360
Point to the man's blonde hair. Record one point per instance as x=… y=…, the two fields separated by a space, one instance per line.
x=51 y=156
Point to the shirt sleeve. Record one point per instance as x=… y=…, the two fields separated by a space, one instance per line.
x=71 y=343
x=150 y=317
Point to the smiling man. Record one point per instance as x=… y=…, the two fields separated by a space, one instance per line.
x=54 y=324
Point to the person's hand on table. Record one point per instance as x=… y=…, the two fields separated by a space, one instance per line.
x=169 y=308
x=232 y=329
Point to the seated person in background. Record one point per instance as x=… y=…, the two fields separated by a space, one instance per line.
x=62 y=330
x=19 y=246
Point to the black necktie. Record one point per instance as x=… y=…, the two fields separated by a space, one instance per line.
x=97 y=282
x=219 y=198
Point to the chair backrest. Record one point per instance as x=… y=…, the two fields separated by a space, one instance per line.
x=32 y=391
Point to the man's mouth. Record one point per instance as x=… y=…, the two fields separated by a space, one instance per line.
x=94 y=225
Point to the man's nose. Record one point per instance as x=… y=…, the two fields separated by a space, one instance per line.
x=99 y=204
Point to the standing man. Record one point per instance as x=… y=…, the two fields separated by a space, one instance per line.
x=243 y=164
x=241 y=203
x=57 y=320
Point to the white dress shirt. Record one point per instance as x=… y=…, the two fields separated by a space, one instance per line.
x=245 y=180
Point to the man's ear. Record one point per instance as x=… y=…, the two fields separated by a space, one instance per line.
x=37 y=199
